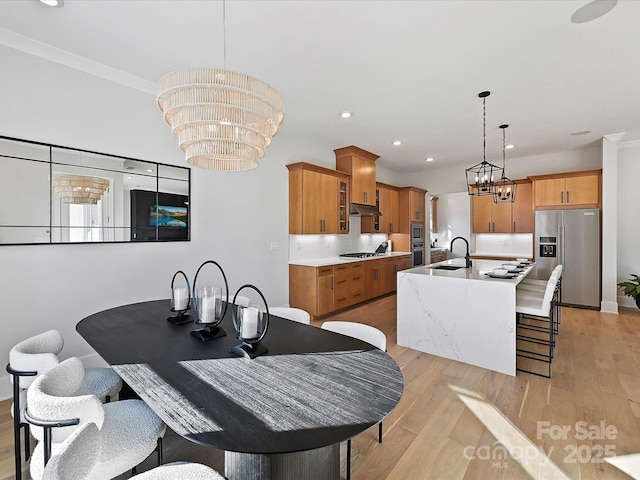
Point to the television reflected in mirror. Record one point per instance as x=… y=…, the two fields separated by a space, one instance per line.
x=51 y=194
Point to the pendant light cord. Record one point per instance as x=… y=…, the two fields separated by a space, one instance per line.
x=224 y=33
x=484 y=129
x=504 y=147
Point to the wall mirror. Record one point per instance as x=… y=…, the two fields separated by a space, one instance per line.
x=51 y=194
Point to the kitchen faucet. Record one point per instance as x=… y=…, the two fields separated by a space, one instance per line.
x=466 y=257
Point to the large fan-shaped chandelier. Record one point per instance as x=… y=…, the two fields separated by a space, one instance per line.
x=223 y=120
x=80 y=189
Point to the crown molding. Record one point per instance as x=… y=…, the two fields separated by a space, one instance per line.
x=71 y=60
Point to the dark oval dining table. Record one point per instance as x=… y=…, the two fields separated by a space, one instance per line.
x=280 y=415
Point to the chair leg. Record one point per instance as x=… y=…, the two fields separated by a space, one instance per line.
x=159 y=448
x=16 y=427
x=27 y=442
x=349 y=459
x=380 y=432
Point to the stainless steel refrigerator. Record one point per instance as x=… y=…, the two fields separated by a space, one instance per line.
x=571 y=238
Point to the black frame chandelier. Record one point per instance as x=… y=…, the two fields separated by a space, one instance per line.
x=481 y=177
x=505 y=188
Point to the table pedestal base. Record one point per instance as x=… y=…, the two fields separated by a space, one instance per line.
x=320 y=464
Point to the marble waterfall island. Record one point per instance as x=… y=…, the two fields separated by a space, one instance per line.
x=460 y=314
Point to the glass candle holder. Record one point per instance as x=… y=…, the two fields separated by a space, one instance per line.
x=210 y=306
x=180 y=300
x=251 y=323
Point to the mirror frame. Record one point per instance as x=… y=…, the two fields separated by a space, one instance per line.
x=141 y=202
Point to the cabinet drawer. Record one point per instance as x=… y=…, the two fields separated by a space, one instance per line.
x=346 y=280
x=348 y=297
x=346 y=267
x=327 y=270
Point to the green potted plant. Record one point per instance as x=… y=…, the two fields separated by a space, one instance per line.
x=632 y=288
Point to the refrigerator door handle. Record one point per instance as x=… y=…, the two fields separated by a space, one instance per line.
x=561 y=245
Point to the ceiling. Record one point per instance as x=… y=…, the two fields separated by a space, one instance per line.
x=409 y=71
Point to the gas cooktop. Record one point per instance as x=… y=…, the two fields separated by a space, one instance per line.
x=361 y=254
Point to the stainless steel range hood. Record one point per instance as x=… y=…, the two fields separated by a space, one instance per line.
x=364 y=210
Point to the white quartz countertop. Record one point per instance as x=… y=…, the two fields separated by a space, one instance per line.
x=476 y=272
x=321 y=262
x=501 y=255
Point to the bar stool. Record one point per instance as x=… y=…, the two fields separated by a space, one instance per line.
x=540 y=308
x=540 y=286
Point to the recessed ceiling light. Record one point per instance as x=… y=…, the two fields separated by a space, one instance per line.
x=580 y=133
x=397 y=142
x=52 y=3
x=591 y=11
x=149 y=170
x=346 y=114
x=429 y=159
x=509 y=147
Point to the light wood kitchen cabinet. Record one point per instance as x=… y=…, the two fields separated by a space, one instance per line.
x=322 y=290
x=490 y=217
x=361 y=166
x=380 y=275
x=387 y=201
x=318 y=200
x=348 y=285
x=516 y=217
x=416 y=205
x=523 y=213
x=311 y=288
x=567 y=190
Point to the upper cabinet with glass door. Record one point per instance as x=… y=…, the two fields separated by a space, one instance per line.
x=53 y=194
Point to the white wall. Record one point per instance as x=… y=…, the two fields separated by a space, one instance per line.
x=628 y=215
x=453 y=218
x=452 y=179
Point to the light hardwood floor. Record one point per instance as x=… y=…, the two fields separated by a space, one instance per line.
x=433 y=434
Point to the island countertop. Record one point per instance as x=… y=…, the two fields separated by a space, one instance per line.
x=461 y=314
x=477 y=271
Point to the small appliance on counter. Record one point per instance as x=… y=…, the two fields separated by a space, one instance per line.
x=388 y=246
x=382 y=248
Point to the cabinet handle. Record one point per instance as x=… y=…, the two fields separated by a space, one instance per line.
x=331 y=283
x=391 y=227
x=357 y=295
x=341 y=281
x=561 y=197
x=493 y=225
x=489 y=227
x=356 y=278
x=568 y=201
x=342 y=299
x=514 y=227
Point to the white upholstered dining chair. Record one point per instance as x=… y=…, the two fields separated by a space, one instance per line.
x=295 y=314
x=79 y=454
x=368 y=334
x=130 y=430
x=37 y=355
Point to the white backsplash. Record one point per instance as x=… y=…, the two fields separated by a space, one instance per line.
x=516 y=244
x=308 y=247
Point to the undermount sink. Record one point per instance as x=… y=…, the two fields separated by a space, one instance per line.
x=446 y=267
